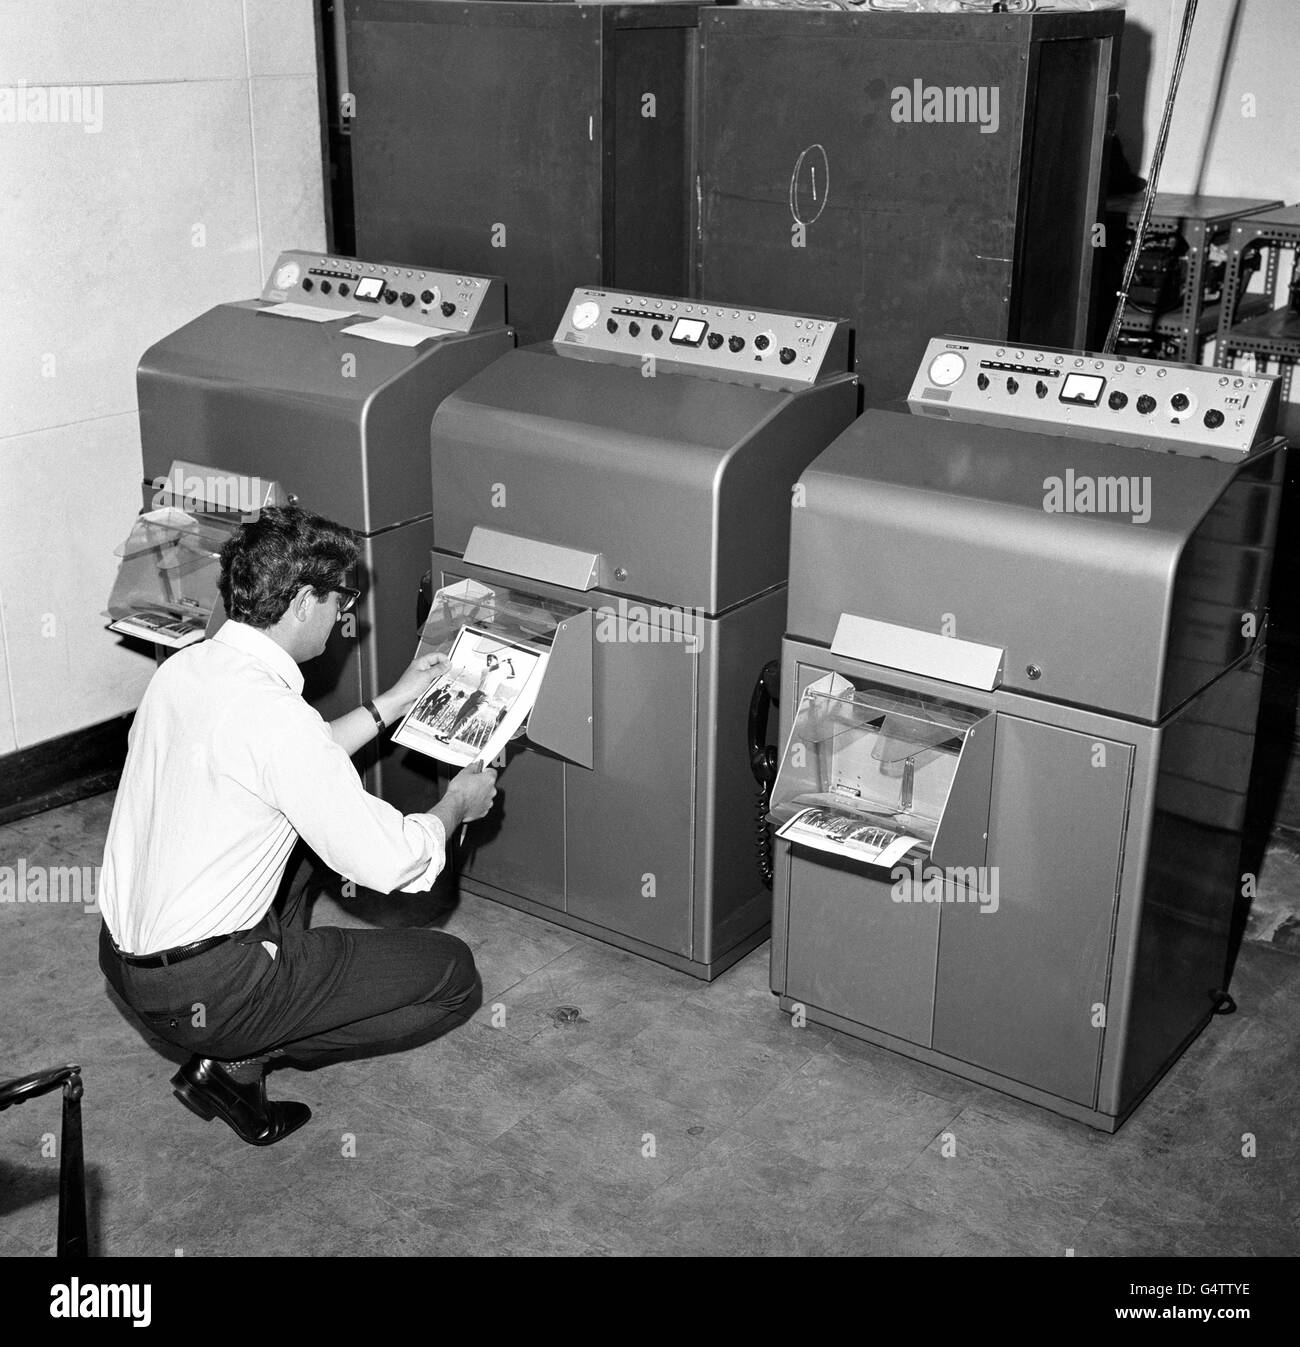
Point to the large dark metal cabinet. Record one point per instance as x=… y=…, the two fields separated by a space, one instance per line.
x=545 y=143
x=909 y=227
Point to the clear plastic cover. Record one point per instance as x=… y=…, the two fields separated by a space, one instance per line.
x=868 y=770
x=512 y=614
x=166 y=586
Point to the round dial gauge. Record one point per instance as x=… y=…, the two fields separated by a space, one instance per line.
x=585 y=315
x=287 y=276
x=946 y=368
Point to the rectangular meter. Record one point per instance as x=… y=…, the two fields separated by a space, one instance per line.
x=688 y=331
x=1084 y=390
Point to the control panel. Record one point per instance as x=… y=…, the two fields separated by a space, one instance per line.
x=441 y=299
x=725 y=339
x=1152 y=404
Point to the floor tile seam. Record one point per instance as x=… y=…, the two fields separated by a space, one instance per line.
x=454 y=1130
x=788 y=1159
x=924 y=1148
x=524 y=978
x=949 y=1221
x=1087 y=1182
x=521 y=1161
x=898 y=1112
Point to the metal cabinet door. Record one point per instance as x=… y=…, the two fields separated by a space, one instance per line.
x=1017 y=987
x=856 y=952
x=520 y=848
x=628 y=823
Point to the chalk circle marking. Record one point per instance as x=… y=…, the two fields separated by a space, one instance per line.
x=820 y=190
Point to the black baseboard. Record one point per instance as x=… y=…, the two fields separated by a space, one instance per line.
x=61 y=770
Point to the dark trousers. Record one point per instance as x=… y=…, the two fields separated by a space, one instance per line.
x=324 y=994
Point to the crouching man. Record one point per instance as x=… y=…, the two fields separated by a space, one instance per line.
x=227 y=768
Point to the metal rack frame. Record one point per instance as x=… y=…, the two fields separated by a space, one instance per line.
x=1203 y=221
x=1245 y=328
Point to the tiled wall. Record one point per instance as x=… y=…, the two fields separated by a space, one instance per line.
x=195 y=159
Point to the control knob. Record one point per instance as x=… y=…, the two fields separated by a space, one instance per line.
x=735 y=343
x=634 y=328
x=448 y=308
x=787 y=355
x=325 y=287
x=611 y=325
x=390 y=296
x=426 y=296
x=1213 y=418
x=343 y=288
x=1180 y=402
x=1040 y=389
x=762 y=341
x=715 y=340
x=407 y=299
x=656 y=332
x=308 y=283
x=982 y=382
x=1117 y=401
x=1013 y=386
x=1146 y=404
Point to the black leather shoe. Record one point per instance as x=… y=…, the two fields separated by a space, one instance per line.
x=206 y=1088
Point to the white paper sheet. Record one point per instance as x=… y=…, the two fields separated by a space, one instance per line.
x=313 y=313
x=396 y=331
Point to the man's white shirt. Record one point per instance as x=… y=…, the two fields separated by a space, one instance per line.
x=227 y=767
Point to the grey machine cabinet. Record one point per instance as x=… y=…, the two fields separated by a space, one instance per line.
x=1119 y=657
x=636 y=472
x=340 y=424
x=910 y=225
x=545 y=143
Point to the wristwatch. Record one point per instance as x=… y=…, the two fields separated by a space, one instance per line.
x=374 y=711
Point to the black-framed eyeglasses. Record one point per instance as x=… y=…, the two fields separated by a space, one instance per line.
x=347 y=598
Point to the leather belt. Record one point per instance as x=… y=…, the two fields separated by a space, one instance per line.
x=166 y=957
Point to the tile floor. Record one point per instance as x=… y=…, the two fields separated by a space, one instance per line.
x=673 y=1117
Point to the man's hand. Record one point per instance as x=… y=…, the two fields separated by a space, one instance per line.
x=473 y=788
x=403 y=695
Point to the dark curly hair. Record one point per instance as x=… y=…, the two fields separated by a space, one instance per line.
x=269 y=559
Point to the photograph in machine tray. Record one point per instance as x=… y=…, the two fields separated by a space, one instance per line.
x=847 y=834
x=479 y=703
x=162 y=626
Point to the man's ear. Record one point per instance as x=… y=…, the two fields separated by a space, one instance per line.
x=301 y=604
